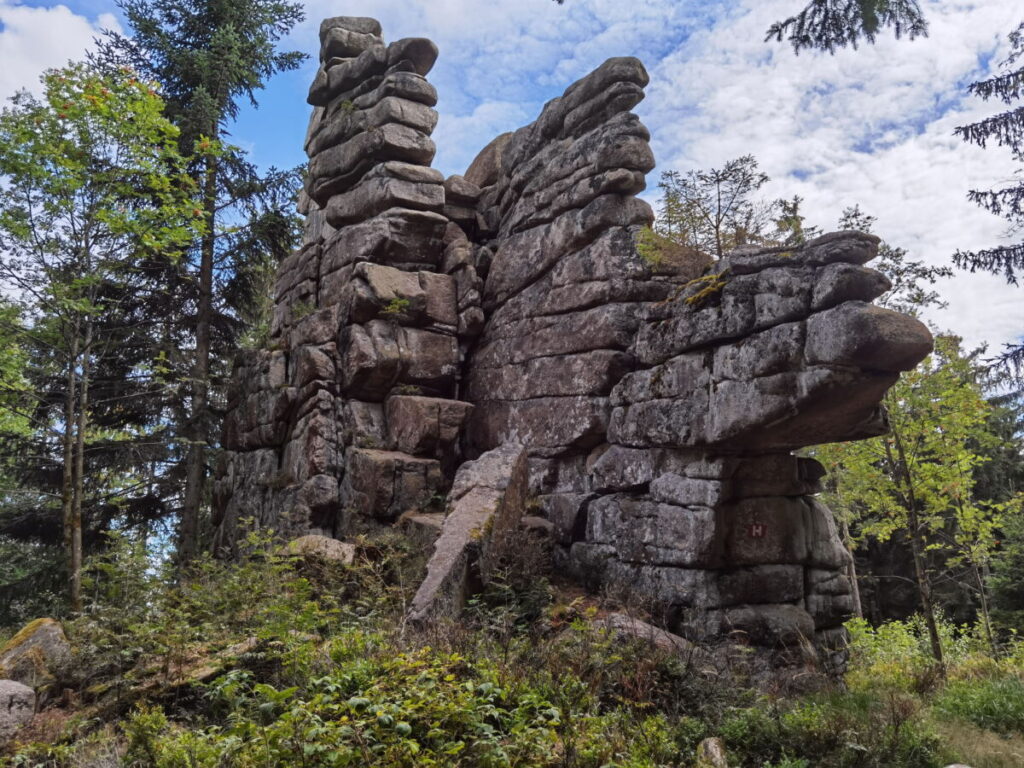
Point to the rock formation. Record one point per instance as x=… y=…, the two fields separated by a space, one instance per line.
x=427 y=320
x=350 y=419
x=37 y=655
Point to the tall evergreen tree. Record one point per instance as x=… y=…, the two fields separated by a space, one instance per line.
x=210 y=55
x=1005 y=129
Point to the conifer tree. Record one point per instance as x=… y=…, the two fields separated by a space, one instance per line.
x=1005 y=129
x=94 y=187
x=710 y=212
x=209 y=56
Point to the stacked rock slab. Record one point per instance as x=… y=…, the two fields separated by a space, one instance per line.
x=658 y=403
x=661 y=403
x=565 y=290
x=697 y=503
x=349 y=417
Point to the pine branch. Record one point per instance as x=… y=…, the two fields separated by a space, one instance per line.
x=1007 y=88
x=1007 y=129
x=1011 y=359
x=1007 y=260
x=827 y=25
x=1008 y=203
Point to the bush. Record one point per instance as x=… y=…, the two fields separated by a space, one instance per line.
x=837 y=730
x=334 y=677
x=897 y=655
x=995 y=704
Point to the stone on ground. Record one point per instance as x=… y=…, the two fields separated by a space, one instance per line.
x=17 y=706
x=37 y=655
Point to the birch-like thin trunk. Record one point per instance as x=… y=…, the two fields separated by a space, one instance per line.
x=68 y=470
x=79 y=491
x=851 y=572
x=195 y=474
x=917 y=546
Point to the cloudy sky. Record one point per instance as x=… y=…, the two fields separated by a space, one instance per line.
x=872 y=127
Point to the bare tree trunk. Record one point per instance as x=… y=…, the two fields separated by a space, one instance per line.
x=924 y=587
x=195 y=476
x=79 y=489
x=67 y=474
x=986 y=617
x=851 y=571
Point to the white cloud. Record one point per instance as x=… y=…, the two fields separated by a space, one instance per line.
x=870 y=127
x=461 y=133
x=516 y=52
x=35 y=39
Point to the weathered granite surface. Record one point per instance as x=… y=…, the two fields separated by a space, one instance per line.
x=37 y=655
x=17 y=706
x=485 y=507
x=349 y=418
x=428 y=320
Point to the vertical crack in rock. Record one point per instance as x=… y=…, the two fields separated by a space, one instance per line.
x=507 y=310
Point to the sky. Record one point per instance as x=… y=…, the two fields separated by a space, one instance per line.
x=871 y=127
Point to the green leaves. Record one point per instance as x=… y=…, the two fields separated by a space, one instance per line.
x=938 y=417
x=94 y=173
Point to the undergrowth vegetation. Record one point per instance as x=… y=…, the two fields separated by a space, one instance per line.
x=281 y=661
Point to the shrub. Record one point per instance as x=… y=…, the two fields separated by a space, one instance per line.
x=995 y=704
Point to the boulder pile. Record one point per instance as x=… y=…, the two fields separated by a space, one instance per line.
x=648 y=409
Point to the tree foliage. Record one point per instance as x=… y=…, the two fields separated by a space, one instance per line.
x=95 y=190
x=210 y=57
x=919 y=481
x=831 y=24
x=1005 y=129
x=706 y=213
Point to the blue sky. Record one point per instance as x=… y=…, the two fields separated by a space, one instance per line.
x=870 y=127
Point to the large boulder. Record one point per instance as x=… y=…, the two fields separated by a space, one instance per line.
x=37 y=655
x=711 y=754
x=322 y=549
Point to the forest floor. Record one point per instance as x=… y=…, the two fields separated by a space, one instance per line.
x=278 y=661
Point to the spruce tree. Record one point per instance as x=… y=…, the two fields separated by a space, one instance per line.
x=1005 y=129
x=209 y=56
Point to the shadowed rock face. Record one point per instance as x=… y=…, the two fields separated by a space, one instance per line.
x=427 y=318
